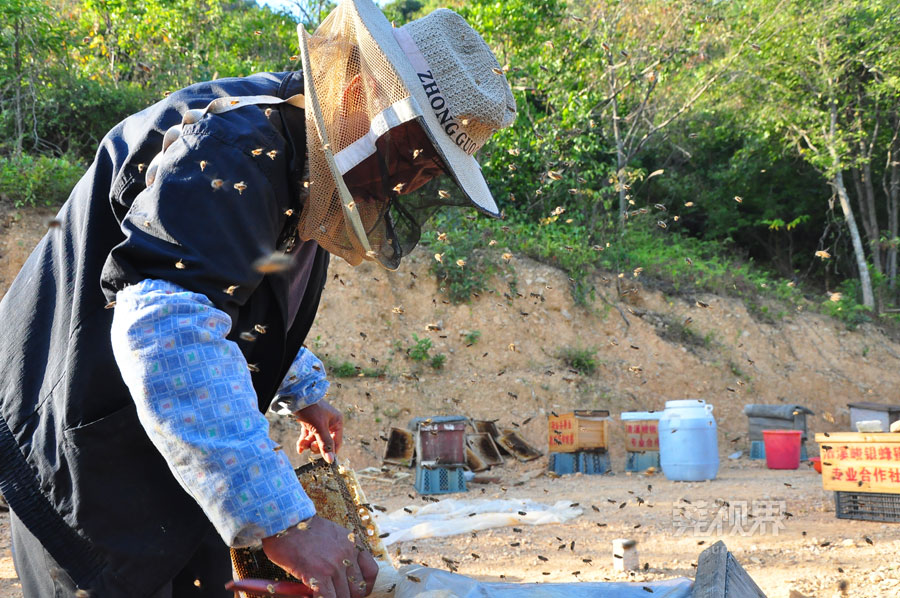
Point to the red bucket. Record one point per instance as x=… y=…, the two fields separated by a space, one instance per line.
x=782 y=448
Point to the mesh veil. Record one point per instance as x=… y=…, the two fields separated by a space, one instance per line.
x=362 y=129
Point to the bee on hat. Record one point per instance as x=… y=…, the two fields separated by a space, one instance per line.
x=388 y=111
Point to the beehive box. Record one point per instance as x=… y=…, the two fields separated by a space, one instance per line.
x=441 y=442
x=865 y=411
x=578 y=431
x=860 y=462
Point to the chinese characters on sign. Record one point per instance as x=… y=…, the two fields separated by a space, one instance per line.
x=860 y=462
x=641 y=436
x=736 y=518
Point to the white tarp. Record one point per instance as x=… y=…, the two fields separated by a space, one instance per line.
x=451 y=516
x=423 y=582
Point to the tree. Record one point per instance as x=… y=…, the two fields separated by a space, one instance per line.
x=818 y=86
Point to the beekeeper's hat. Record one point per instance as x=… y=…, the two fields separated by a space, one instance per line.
x=420 y=100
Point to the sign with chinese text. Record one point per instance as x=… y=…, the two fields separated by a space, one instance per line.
x=641 y=435
x=860 y=462
x=581 y=430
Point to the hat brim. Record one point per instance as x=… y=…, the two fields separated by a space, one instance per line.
x=462 y=168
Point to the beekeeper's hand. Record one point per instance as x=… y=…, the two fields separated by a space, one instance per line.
x=322 y=429
x=321 y=555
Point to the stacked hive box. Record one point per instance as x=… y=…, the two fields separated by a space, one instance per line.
x=775 y=417
x=578 y=442
x=440 y=454
x=641 y=440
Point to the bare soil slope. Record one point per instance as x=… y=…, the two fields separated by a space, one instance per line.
x=646 y=354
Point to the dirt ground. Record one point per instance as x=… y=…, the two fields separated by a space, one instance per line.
x=647 y=352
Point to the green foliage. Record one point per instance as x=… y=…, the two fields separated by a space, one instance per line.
x=682 y=333
x=342 y=369
x=844 y=305
x=579 y=359
x=437 y=361
x=465 y=267
x=418 y=351
x=38 y=180
x=472 y=337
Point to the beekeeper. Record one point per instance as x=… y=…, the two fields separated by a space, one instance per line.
x=165 y=310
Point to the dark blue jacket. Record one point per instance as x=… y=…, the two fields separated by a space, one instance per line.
x=77 y=467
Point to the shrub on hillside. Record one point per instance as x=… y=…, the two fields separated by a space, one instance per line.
x=41 y=180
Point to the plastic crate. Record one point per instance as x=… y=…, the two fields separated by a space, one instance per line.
x=586 y=462
x=869 y=506
x=642 y=461
x=593 y=462
x=563 y=463
x=440 y=480
x=758 y=450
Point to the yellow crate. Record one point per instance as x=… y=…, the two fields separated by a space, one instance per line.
x=578 y=431
x=860 y=462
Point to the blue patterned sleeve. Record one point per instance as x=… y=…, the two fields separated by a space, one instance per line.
x=303 y=385
x=196 y=401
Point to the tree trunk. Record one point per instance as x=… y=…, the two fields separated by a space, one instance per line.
x=620 y=149
x=892 y=194
x=872 y=228
x=865 y=280
x=17 y=61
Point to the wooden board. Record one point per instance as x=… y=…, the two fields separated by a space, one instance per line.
x=860 y=462
x=641 y=435
x=578 y=431
x=720 y=575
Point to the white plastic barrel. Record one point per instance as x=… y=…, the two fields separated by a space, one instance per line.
x=688 y=444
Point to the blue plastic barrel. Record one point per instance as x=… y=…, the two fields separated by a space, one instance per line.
x=688 y=445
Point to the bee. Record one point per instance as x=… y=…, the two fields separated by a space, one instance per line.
x=253 y=367
x=416 y=153
x=179 y=265
x=542 y=558
x=240 y=186
x=262 y=330
x=439 y=258
x=216 y=184
x=497 y=71
x=662 y=224
x=511 y=167
x=399 y=187
x=515 y=544
x=274 y=262
x=701 y=304
x=460 y=262
x=256 y=152
x=230 y=290
x=289 y=212
x=554 y=175
x=443 y=194
x=248 y=336
x=738 y=199
x=271 y=154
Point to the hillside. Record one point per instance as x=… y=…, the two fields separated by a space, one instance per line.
x=646 y=353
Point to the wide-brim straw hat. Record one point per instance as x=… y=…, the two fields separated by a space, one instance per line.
x=451 y=80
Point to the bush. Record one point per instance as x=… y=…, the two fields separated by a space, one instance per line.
x=437 y=361
x=342 y=369
x=580 y=360
x=41 y=180
x=465 y=266
x=418 y=351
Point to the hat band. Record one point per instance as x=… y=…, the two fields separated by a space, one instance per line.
x=452 y=127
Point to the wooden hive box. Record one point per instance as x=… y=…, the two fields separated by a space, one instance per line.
x=578 y=431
